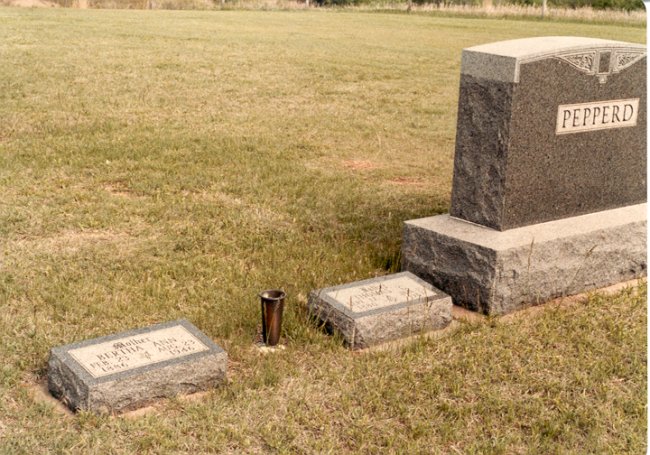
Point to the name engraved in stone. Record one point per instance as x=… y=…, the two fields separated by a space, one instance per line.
x=380 y=295
x=136 y=351
x=575 y=118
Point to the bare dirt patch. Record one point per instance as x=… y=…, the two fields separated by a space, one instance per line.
x=117 y=189
x=360 y=165
x=39 y=393
x=407 y=181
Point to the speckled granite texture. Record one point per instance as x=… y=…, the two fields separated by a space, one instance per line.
x=406 y=317
x=511 y=169
x=497 y=272
x=69 y=381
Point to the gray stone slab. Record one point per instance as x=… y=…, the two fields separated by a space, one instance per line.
x=499 y=272
x=129 y=370
x=501 y=61
x=381 y=309
x=549 y=128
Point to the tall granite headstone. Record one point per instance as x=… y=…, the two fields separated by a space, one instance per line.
x=549 y=175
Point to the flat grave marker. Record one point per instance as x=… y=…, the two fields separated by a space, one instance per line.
x=381 y=309
x=136 y=351
x=128 y=370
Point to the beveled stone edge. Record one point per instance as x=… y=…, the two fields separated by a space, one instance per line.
x=429 y=316
x=61 y=353
x=500 y=61
x=561 y=270
x=521 y=236
x=322 y=295
x=213 y=365
x=352 y=329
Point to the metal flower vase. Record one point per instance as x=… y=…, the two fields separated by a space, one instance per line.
x=272 y=302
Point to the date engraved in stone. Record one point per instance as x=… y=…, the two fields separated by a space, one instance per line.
x=576 y=118
x=384 y=294
x=136 y=351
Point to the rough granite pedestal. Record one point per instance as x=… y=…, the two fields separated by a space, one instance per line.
x=497 y=272
x=549 y=188
x=129 y=370
x=381 y=309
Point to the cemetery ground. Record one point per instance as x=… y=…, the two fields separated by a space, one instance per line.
x=159 y=165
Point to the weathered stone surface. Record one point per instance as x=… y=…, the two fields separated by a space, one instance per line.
x=519 y=160
x=381 y=309
x=129 y=370
x=498 y=272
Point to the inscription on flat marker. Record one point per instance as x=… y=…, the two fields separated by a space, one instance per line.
x=372 y=296
x=380 y=309
x=601 y=115
x=128 y=370
x=137 y=351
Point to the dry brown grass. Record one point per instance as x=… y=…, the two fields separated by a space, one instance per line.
x=359 y=165
x=159 y=164
x=407 y=181
x=29 y=3
x=67 y=242
x=637 y=17
x=519 y=11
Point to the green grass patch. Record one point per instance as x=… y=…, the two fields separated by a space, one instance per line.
x=159 y=164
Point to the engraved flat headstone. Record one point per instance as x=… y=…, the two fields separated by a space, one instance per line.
x=128 y=370
x=381 y=309
x=549 y=175
x=549 y=128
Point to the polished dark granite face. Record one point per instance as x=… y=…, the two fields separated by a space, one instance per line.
x=513 y=169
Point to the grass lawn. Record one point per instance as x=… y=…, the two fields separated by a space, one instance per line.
x=157 y=165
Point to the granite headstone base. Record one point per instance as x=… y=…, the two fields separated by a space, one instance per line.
x=129 y=370
x=382 y=309
x=497 y=272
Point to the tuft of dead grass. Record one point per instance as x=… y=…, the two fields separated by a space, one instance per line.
x=360 y=165
x=509 y=11
x=407 y=181
x=68 y=242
